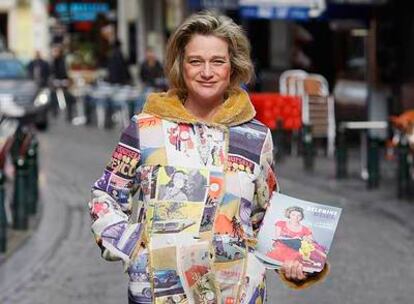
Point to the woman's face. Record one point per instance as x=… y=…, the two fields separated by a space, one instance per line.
x=206 y=68
x=179 y=180
x=295 y=216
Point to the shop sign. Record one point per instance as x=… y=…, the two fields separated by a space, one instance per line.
x=370 y=2
x=210 y=4
x=80 y=11
x=282 y=9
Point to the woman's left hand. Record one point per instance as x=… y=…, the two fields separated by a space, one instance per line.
x=293 y=270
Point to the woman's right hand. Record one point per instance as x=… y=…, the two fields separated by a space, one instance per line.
x=293 y=270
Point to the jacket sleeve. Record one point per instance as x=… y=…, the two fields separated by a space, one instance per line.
x=110 y=205
x=265 y=184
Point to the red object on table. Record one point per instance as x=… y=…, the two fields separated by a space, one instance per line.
x=272 y=106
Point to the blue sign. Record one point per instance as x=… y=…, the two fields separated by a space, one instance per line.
x=275 y=12
x=80 y=11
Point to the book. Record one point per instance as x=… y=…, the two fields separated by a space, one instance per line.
x=295 y=229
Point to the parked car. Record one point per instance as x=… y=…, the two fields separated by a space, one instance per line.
x=20 y=97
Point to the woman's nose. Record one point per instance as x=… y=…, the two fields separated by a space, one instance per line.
x=206 y=71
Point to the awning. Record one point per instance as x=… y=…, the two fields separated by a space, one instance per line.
x=282 y=9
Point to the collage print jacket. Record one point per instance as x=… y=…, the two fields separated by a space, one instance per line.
x=181 y=201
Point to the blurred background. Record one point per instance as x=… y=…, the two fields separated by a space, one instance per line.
x=334 y=82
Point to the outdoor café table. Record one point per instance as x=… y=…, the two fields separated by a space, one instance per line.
x=363 y=127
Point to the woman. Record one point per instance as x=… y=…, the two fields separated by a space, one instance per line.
x=289 y=235
x=208 y=57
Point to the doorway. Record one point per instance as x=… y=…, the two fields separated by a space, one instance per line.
x=3 y=30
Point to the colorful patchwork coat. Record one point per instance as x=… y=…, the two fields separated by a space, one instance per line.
x=181 y=201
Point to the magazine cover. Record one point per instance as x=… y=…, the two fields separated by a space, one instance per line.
x=295 y=229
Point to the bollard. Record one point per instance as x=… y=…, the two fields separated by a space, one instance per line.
x=18 y=139
x=373 y=163
x=308 y=159
x=20 y=214
x=341 y=155
x=35 y=146
x=403 y=168
x=278 y=139
x=3 y=218
x=32 y=181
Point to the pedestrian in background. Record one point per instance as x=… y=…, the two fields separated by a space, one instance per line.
x=151 y=70
x=198 y=249
x=59 y=70
x=39 y=70
x=117 y=67
x=61 y=97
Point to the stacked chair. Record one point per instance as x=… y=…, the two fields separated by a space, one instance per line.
x=317 y=104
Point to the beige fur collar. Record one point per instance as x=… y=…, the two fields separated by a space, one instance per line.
x=236 y=110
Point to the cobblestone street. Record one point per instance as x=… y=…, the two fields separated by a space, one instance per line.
x=371 y=257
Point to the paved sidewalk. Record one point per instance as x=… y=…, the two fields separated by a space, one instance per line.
x=16 y=238
x=371 y=255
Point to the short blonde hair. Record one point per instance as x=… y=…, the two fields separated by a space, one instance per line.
x=209 y=23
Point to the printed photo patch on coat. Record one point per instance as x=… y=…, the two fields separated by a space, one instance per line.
x=245 y=212
x=228 y=275
x=259 y=294
x=182 y=184
x=216 y=185
x=102 y=182
x=124 y=161
x=145 y=180
x=116 y=186
x=237 y=163
x=154 y=181
x=167 y=283
x=247 y=140
x=139 y=285
x=268 y=144
x=207 y=220
x=179 y=143
x=104 y=206
x=228 y=248
x=253 y=281
x=146 y=121
x=210 y=145
x=100 y=208
x=215 y=191
x=130 y=136
x=119 y=188
x=150 y=132
x=153 y=156
x=121 y=238
x=193 y=263
x=176 y=218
